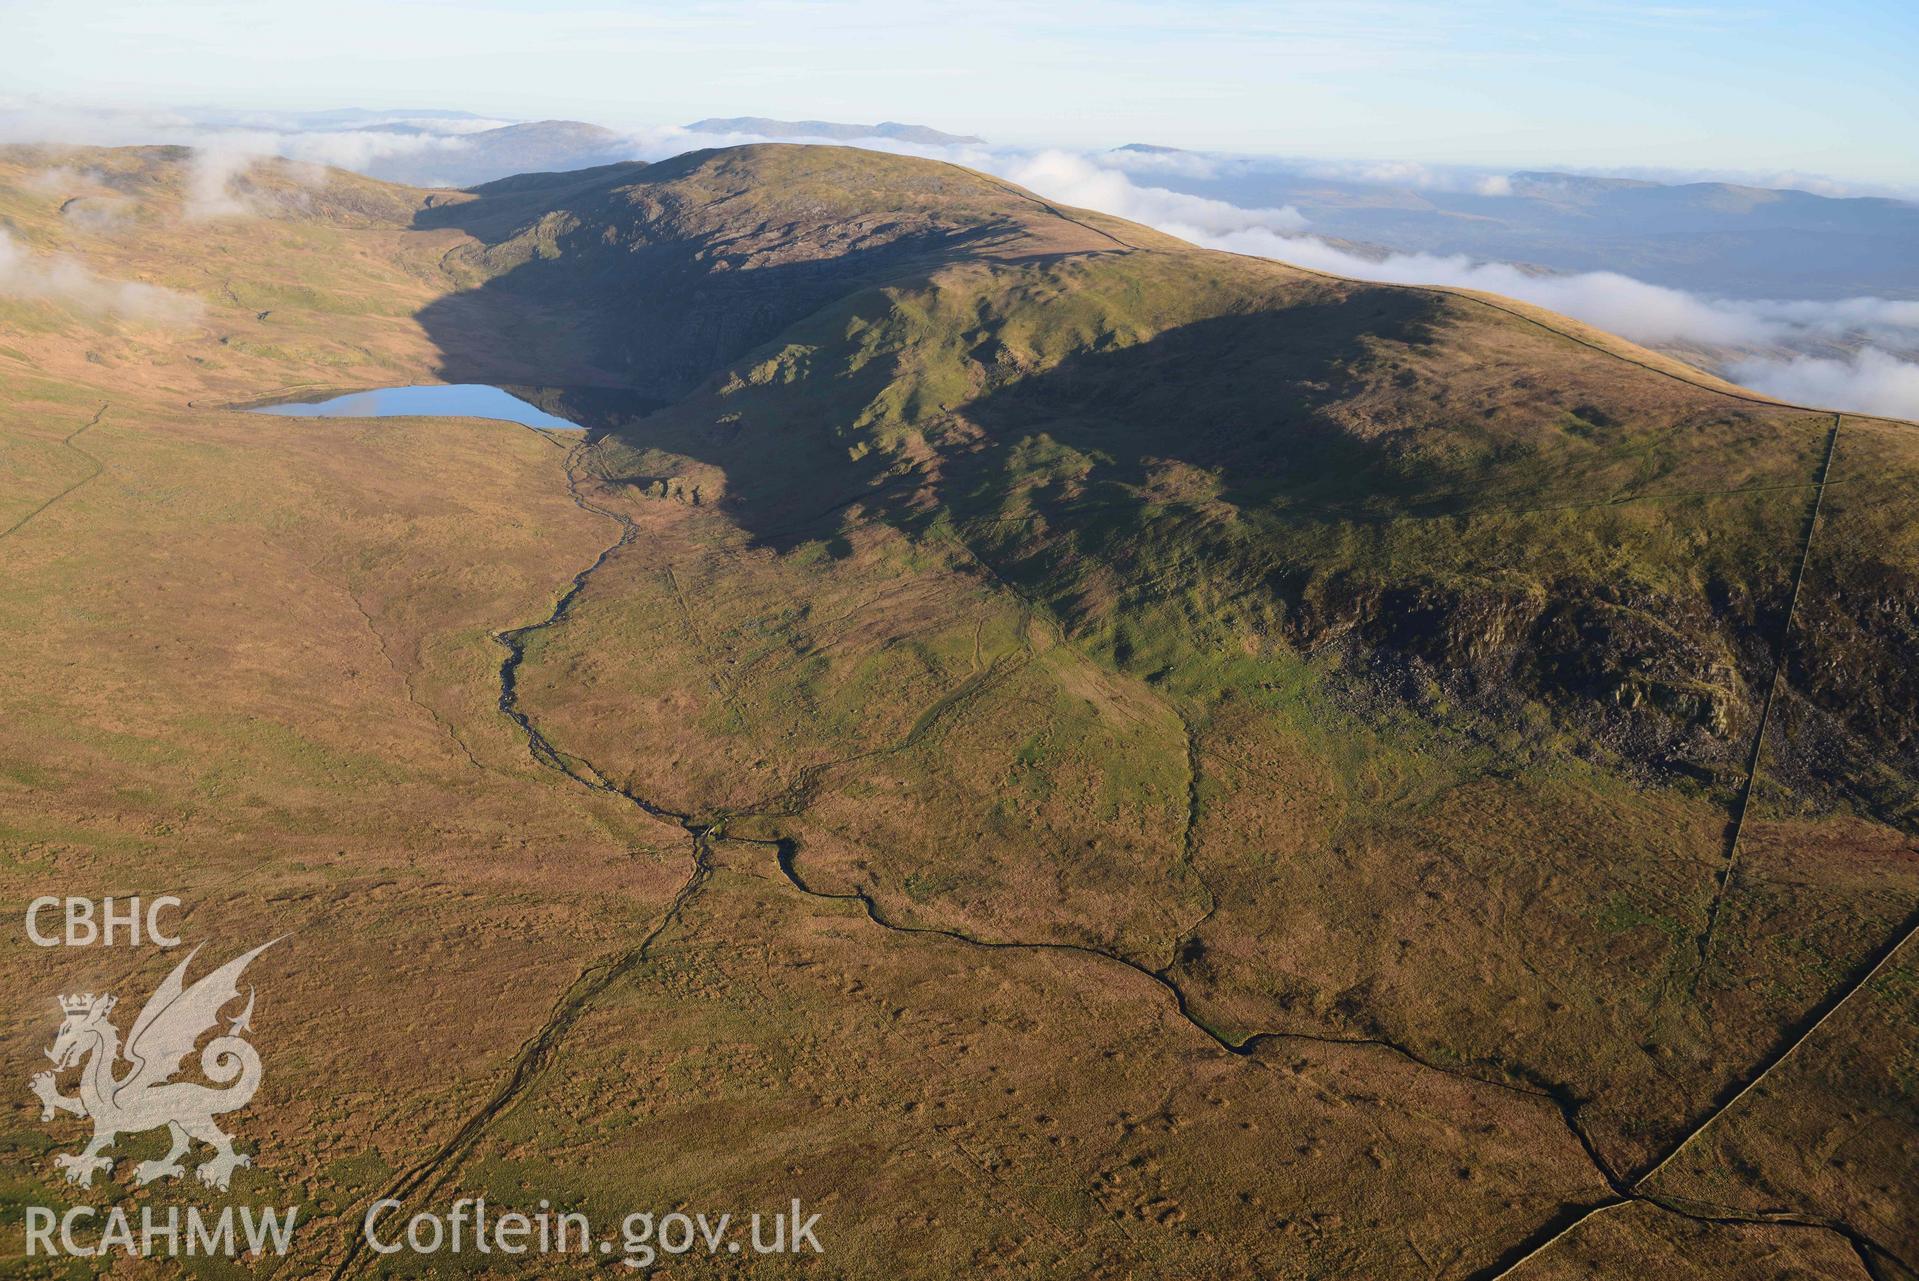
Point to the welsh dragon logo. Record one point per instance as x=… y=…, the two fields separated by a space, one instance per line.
x=143 y=1096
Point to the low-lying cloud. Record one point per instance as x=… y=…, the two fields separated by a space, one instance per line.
x=1870 y=381
x=1092 y=186
x=1180 y=164
x=96 y=209
x=1847 y=353
x=223 y=151
x=36 y=121
x=98 y=213
x=64 y=280
x=1409 y=174
x=1770 y=179
x=1619 y=304
x=222 y=158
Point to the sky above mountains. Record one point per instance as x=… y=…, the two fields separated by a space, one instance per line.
x=1770 y=88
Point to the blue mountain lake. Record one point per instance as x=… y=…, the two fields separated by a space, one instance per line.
x=455 y=400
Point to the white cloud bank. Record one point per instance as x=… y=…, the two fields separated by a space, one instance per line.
x=222 y=156
x=222 y=152
x=66 y=281
x=1871 y=381
x=1075 y=179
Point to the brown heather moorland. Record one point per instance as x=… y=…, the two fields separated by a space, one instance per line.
x=1070 y=754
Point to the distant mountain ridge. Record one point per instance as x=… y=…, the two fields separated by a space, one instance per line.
x=765 y=127
x=483 y=156
x=1720 y=239
x=1723 y=239
x=470 y=159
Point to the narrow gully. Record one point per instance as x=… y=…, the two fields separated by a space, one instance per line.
x=534 y=1056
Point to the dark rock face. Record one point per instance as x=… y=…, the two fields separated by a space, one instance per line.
x=1851 y=677
x=1665 y=681
x=1346 y=461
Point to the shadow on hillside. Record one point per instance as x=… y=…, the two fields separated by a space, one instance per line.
x=1240 y=398
x=591 y=278
x=1096 y=481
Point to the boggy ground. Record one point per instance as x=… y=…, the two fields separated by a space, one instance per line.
x=1072 y=756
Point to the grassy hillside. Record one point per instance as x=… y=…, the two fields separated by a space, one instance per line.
x=669 y=271
x=1075 y=754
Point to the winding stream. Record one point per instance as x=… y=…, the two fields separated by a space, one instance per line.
x=1624 y=1188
